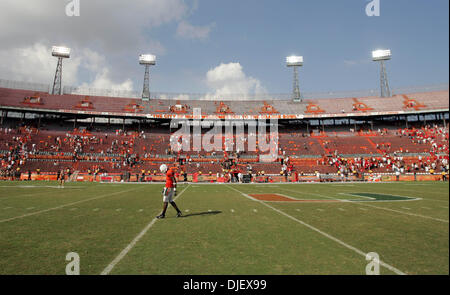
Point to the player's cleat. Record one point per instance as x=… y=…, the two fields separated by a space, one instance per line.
x=179 y=214
x=160 y=216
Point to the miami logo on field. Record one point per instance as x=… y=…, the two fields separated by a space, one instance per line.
x=366 y=197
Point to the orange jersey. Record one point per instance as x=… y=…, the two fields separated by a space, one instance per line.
x=169 y=178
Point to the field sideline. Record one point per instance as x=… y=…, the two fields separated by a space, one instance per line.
x=281 y=229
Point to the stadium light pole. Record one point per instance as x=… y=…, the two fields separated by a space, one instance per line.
x=295 y=62
x=147 y=60
x=61 y=53
x=381 y=56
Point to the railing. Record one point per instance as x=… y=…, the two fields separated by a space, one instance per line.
x=101 y=92
x=24 y=85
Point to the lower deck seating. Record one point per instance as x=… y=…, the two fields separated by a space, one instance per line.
x=51 y=149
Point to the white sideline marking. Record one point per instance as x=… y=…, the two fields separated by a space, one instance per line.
x=7 y=208
x=381 y=208
x=38 y=186
x=66 y=205
x=390 y=267
x=406 y=208
x=73 y=209
x=127 y=249
x=363 y=209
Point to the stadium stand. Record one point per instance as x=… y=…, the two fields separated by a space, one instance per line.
x=53 y=139
x=437 y=100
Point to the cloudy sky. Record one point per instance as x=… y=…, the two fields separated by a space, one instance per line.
x=223 y=47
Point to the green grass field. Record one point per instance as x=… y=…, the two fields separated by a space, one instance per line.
x=225 y=230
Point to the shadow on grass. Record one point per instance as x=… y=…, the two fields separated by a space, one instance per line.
x=202 y=213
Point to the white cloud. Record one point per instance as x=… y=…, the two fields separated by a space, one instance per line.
x=177 y=97
x=188 y=31
x=92 y=60
x=349 y=62
x=229 y=82
x=114 y=29
x=103 y=81
x=35 y=64
x=112 y=25
x=356 y=62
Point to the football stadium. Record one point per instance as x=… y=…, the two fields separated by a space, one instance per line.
x=298 y=183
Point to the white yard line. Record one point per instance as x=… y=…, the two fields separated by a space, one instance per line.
x=27 y=195
x=414 y=191
x=407 y=213
x=421 y=197
x=390 y=267
x=377 y=207
x=425 y=199
x=130 y=246
x=66 y=205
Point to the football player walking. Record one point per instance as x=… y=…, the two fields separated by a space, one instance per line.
x=169 y=191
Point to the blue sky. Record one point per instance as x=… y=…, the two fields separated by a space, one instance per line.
x=250 y=37
x=335 y=37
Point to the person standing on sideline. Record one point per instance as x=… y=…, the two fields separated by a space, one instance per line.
x=169 y=191
x=62 y=178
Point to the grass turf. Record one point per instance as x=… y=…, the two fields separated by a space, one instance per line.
x=223 y=231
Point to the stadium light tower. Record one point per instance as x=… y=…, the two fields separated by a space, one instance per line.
x=381 y=56
x=59 y=52
x=295 y=62
x=147 y=60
